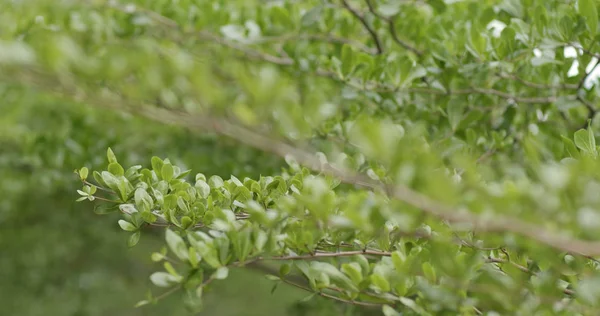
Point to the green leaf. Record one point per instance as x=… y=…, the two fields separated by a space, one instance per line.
x=169 y=267
x=111 y=156
x=142 y=303
x=284 y=269
x=455 y=110
x=429 y=272
x=587 y=9
x=83 y=173
x=389 y=311
x=413 y=305
x=347 y=60
x=157 y=165
x=157 y=256
x=116 y=169
x=148 y=217
x=584 y=140
x=221 y=273
x=271 y=277
x=215 y=182
x=380 y=282
x=353 y=270
x=133 y=239
x=203 y=188
x=127 y=226
x=570 y=147
x=334 y=275
x=177 y=245
x=167 y=172
x=163 y=279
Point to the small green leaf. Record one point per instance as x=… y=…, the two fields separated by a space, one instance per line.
x=380 y=282
x=169 y=267
x=157 y=256
x=353 y=270
x=221 y=273
x=284 y=269
x=116 y=169
x=429 y=272
x=347 y=60
x=570 y=148
x=177 y=245
x=157 y=165
x=215 y=182
x=163 y=279
x=389 y=311
x=148 y=217
x=193 y=257
x=111 y=156
x=127 y=226
x=133 y=239
x=186 y=222
x=83 y=173
x=271 y=277
x=167 y=172
x=142 y=303
x=584 y=140
x=203 y=188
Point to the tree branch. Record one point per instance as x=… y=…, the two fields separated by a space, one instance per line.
x=364 y=22
x=333 y=297
x=310 y=160
x=392 y=29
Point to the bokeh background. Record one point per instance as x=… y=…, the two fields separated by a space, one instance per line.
x=57 y=257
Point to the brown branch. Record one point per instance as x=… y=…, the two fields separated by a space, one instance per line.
x=317 y=255
x=483 y=223
x=314 y=37
x=392 y=29
x=364 y=22
x=101 y=188
x=536 y=85
x=333 y=297
x=522 y=268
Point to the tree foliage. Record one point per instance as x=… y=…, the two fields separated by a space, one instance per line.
x=441 y=155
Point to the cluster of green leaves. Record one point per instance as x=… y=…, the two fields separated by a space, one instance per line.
x=446 y=178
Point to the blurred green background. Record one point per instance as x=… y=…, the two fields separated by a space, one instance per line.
x=58 y=257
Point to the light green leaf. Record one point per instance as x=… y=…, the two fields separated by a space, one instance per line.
x=134 y=239
x=83 y=173
x=167 y=172
x=203 y=188
x=584 y=140
x=111 y=156
x=177 y=245
x=163 y=279
x=221 y=273
x=127 y=226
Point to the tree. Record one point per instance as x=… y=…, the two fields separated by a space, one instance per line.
x=440 y=155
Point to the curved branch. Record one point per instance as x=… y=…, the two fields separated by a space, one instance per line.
x=364 y=22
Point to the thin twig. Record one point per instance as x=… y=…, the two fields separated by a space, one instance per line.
x=536 y=85
x=522 y=268
x=317 y=255
x=333 y=297
x=365 y=23
x=101 y=188
x=169 y=292
x=392 y=29
x=314 y=37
